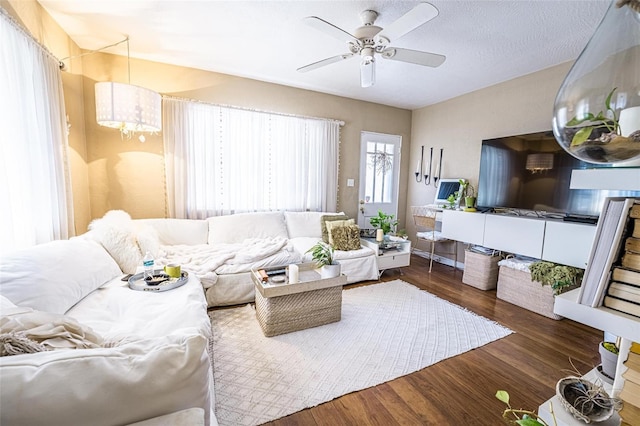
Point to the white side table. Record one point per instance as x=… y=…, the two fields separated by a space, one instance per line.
x=395 y=254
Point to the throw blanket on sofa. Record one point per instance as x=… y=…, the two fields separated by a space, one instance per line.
x=26 y=330
x=203 y=260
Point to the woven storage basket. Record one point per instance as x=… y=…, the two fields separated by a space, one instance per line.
x=516 y=287
x=293 y=312
x=480 y=270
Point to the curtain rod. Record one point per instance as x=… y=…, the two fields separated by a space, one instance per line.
x=176 y=98
x=27 y=33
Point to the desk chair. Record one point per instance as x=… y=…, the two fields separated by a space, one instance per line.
x=424 y=218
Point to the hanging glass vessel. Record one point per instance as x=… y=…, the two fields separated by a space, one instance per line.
x=596 y=115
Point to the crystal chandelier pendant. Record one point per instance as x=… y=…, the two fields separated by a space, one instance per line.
x=596 y=115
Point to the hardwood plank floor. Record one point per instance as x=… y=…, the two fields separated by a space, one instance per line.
x=460 y=390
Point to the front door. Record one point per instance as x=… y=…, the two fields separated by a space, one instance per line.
x=379 y=175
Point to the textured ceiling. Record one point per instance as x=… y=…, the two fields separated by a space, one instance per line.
x=485 y=42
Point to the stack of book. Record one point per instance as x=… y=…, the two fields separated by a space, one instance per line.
x=623 y=292
x=630 y=393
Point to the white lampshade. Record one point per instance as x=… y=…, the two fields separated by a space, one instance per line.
x=128 y=108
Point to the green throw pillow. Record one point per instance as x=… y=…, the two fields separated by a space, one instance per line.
x=346 y=237
x=330 y=218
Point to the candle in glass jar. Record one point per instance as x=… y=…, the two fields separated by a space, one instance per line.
x=379 y=235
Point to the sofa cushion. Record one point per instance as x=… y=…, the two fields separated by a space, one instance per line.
x=345 y=237
x=332 y=224
x=329 y=218
x=53 y=277
x=236 y=228
x=305 y=224
x=106 y=386
x=179 y=231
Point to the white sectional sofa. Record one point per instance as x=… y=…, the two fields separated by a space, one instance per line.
x=222 y=250
x=114 y=356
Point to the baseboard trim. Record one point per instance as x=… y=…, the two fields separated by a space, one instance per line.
x=438 y=258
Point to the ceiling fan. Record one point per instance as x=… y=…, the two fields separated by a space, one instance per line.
x=369 y=39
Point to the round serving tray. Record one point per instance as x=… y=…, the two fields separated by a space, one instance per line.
x=136 y=282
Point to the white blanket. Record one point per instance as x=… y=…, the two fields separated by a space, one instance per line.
x=203 y=260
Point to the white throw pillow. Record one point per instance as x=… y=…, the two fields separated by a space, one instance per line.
x=117 y=233
x=236 y=228
x=53 y=277
x=173 y=232
x=305 y=224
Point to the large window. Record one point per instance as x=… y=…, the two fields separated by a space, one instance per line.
x=222 y=160
x=34 y=184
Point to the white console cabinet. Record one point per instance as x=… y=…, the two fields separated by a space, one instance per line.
x=514 y=234
x=463 y=226
x=566 y=243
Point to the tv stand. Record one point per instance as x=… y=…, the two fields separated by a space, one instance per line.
x=580 y=219
x=554 y=240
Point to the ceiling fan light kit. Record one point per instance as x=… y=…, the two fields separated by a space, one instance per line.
x=369 y=40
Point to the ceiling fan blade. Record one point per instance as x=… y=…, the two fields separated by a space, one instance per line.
x=367 y=73
x=330 y=29
x=324 y=62
x=411 y=20
x=413 y=56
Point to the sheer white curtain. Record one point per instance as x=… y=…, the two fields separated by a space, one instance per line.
x=221 y=160
x=35 y=189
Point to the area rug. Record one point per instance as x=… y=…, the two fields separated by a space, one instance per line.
x=387 y=330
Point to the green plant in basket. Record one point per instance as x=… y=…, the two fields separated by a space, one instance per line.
x=559 y=277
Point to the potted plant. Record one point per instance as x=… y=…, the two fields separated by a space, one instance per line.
x=608 y=358
x=453 y=200
x=559 y=277
x=468 y=192
x=384 y=221
x=322 y=255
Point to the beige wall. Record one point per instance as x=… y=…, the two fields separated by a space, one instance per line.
x=111 y=173
x=128 y=175
x=522 y=105
x=31 y=15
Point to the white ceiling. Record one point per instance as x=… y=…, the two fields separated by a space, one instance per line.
x=485 y=42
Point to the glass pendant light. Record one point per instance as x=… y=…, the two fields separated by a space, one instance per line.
x=596 y=114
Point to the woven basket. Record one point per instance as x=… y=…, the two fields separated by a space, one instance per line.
x=480 y=270
x=293 y=312
x=516 y=287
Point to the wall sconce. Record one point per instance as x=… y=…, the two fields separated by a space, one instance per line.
x=539 y=162
x=438 y=172
x=419 y=166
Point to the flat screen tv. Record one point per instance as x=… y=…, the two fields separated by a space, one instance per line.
x=532 y=173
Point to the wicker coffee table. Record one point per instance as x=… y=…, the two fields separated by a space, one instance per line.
x=283 y=308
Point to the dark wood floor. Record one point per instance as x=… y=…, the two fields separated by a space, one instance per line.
x=460 y=390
